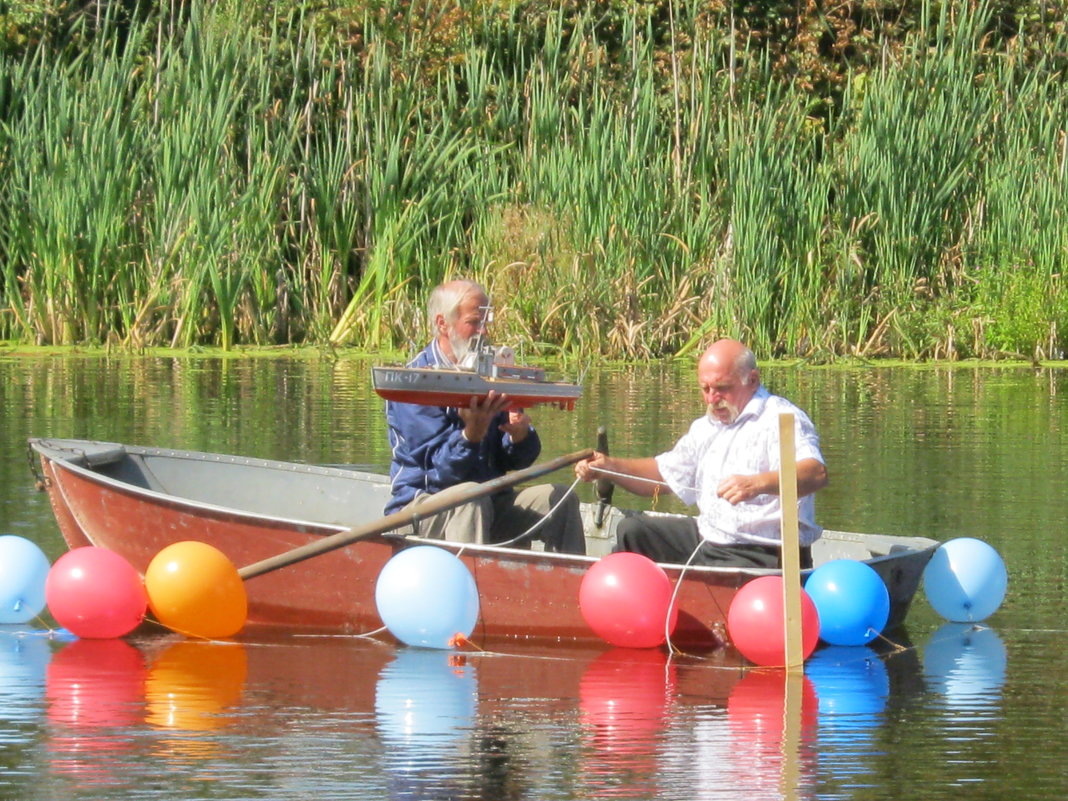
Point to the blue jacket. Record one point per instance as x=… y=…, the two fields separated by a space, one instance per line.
x=430 y=453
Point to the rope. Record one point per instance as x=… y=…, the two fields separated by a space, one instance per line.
x=541 y=522
x=639 y=478
x=672 y=650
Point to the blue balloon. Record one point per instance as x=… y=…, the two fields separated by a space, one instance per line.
x=425 y=596
x=23 y=570
x=965 y=581
x=852 y=601
x=965 y=664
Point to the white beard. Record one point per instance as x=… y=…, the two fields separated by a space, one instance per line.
x=732 y=413
x=465 y=351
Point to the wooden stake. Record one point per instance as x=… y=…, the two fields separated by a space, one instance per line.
x=791 y=551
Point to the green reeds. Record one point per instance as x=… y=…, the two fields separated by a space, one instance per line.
x=211 y=180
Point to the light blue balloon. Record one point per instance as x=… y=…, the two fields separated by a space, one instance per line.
x=852 y=601
x=425 y=596
x=965 y=581
x=23 y=570
x=965 y=664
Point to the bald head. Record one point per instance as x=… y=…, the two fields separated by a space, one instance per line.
x=728 y=376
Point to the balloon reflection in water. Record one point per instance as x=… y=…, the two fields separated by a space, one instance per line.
x=966 y=663
x=95 y=691
x=192 y=685
x=425 y=706
x=624 y=696
x=759 y=710
x=189 y=691
x=96 y=683
x=852 y=686
x=24 y=656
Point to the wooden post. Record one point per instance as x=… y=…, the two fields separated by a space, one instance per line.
x=791 y=551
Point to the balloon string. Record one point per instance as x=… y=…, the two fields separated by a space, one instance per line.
x=541 y=522
x=672 y=648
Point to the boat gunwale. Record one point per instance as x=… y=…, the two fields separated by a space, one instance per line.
x=913 y=545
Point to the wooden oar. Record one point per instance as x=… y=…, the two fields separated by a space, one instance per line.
x=431 y=506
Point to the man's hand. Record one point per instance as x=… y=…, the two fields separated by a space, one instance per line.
x=479 y=415
x=586 y=470
x=518 y=425
x=736 y=489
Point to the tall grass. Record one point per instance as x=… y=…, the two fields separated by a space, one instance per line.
x=205 y=182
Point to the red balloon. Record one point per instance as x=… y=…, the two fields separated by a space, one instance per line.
x=756 y=622
x=95 y=593
x=626 y=599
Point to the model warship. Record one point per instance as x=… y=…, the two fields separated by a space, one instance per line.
x=493 y=369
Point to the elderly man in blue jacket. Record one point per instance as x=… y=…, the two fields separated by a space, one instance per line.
x=443 y=449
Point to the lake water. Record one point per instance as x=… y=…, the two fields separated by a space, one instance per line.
x=944 y=711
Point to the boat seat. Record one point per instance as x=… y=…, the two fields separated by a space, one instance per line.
x=98 y=458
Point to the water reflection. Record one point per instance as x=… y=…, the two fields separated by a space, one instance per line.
x=772 y=718
x=965 y=663
x=193 y=688
x=95 y=691
x=24 y=656
x=624 y=698
x=852 y=686
x=96 y=683
x=425 y=707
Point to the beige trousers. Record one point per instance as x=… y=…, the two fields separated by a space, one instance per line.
x=506 y=515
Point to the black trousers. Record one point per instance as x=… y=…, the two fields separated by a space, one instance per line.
x=674 y=539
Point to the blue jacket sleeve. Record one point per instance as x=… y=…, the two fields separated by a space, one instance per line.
x=430 y=453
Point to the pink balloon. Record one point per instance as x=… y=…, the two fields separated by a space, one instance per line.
x=95 y=593
x=626 y=599
x=756 y=622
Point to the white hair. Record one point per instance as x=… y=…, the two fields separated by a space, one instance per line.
x=446 y=299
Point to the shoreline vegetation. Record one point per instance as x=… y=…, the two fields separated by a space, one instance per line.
x=629 y=178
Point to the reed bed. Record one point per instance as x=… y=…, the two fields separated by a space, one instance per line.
x=213 y=183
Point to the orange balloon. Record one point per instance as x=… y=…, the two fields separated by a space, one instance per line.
x=194 y=589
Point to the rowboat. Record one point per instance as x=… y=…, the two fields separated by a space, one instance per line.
x=138 y=500
x=494 y=369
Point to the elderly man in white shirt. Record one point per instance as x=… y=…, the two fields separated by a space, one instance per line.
x=727 y=465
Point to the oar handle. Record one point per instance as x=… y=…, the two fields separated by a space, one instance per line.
x=431 y=506
x=604 y=486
